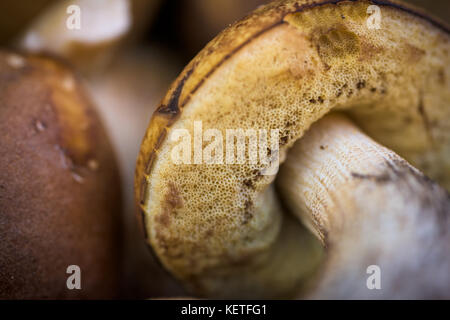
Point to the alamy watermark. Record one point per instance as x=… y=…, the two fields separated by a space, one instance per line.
x=73 y=22
x=374 y=20
x=374 y=280
x=236 y=146
x=74 y=280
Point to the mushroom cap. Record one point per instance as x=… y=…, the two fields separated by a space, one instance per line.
x=284 y=67
x=59 y=185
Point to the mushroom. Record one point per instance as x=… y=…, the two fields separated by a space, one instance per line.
x=87 y=33
x=120 y=92
x=59 y=186
x=76 y=30
x=222 y=229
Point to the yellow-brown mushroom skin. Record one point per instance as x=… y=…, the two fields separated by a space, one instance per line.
x=284 y=67
x=59 y=185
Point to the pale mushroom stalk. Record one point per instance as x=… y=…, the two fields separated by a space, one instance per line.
x=370 y=208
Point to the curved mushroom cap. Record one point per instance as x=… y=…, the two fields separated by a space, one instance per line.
x=284 y=67
x=59 y=185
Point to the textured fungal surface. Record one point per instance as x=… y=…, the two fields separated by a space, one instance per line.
x=284 y=67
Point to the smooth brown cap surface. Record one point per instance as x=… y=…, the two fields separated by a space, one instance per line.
x=59 y=185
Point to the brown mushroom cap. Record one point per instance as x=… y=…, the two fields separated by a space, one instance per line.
x=284 y=67
x=59 y=185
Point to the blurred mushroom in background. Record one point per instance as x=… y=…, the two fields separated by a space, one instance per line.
x=87 y=33
x=60 y=192
x=126 y=81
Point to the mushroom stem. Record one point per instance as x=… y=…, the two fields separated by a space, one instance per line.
x=369 y=207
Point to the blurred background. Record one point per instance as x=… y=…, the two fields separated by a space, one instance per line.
x=128 y=52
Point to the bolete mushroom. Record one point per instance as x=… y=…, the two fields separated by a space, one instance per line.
x=221 y=229
x=59 y=186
